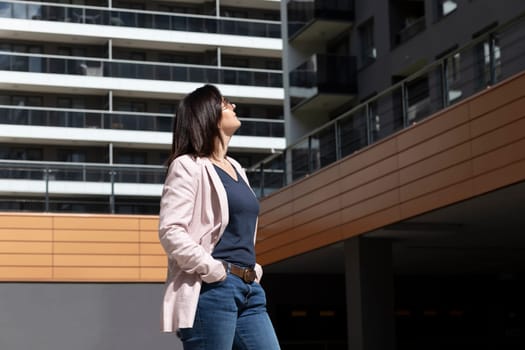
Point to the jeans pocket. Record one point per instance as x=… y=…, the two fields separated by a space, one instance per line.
x=210 y=285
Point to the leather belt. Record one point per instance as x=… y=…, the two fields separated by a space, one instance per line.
x=247 y=274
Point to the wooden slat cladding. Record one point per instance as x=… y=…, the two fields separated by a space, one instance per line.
x=468 y=149
x=61 y=248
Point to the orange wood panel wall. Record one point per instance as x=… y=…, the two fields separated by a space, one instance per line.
x=466 y=150
x=61 y=247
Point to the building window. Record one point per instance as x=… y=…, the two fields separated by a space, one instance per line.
x=167 y=108
x=26 y=116
x=21 y=153
x=273 y=64
x=453 y=76
x=418 y=99
x=490 y=61
x=366 y=39
x=407 y=19
x=130 y=157
x=446 y=7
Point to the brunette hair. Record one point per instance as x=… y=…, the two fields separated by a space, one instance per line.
x=195 y=127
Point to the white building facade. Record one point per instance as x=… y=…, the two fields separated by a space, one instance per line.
x=88 y=91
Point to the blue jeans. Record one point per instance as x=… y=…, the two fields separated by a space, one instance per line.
x=231 y=314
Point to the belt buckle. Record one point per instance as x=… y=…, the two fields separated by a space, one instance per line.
x=249 y=275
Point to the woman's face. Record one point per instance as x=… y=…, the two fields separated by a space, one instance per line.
x=229 y=123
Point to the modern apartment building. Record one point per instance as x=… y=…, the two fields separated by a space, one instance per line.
x=393 y=219
x=88 y=91
x=397 y=225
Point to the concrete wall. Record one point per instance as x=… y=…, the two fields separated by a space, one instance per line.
x=82 y=316
x=440 y=35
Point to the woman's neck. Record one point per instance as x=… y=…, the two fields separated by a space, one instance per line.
x=218 y=158
x=220 y=150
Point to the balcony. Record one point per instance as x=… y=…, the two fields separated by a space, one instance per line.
x=78 y=118
x=100 y=67
x=85 y=187
x=323 y=83
x=460 y=75
x=139 y=19
x=407 y=19
x=411 y=29
x=80 y=187
x=115 y=120
x=318 y=20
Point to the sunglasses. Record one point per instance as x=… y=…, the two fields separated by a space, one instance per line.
x=227 y=104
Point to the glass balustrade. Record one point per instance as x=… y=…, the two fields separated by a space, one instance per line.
x=34 y=63
x=49 y=174
x=95 y=172
x=83 y=172
x=23 y=174
x=84 y=119
x=322 y=73
x=269 y=176
x=91 y=119
x=139 y=19
x=302 y=13
x=79 y=204
x=261 y=127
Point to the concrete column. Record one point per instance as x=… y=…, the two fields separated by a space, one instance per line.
x=369 y=294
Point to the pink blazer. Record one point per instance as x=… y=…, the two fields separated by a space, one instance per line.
x=193 y=216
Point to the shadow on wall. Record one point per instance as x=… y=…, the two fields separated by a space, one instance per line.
x=82 y=316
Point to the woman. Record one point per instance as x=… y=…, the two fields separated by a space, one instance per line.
x=207 y=226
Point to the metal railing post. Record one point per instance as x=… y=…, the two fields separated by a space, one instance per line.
x=444 y=83
x=404 y=103
x=338 y=152
x=310 y=155
x=492 y=59
x=46 y=178
x=112 y=196
x=261 y=191
x=368 y=116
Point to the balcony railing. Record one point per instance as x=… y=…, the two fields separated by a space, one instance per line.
x=48 y=172
x=488 y=59
x=323 y=73
x=303 y=12
x=411 y=30
x=96 y=119
x=79 y=118
x=83 y=172
x=56 y=64
x=107 y=176
x=139 y=19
